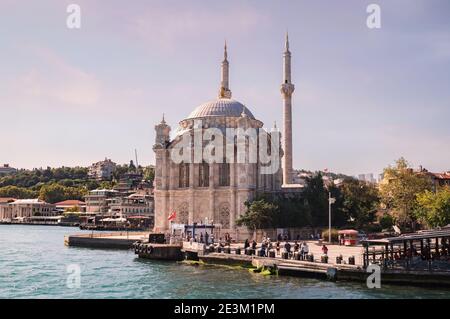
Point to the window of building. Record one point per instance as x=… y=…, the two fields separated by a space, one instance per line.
x=224 y=174
x=183 y=175
x=203 y=175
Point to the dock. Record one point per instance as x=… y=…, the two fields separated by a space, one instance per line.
x=114 y=240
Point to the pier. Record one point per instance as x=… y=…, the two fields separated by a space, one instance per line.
x=115 y=240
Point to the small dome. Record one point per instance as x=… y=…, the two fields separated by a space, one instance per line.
x=221 y=107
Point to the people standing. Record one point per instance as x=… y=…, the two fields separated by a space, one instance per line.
x=305 y=249
x=246 y=244
x=206 y=238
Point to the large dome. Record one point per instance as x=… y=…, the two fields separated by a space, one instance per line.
x=221 y=107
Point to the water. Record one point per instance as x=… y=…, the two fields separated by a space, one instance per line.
x=34 y=260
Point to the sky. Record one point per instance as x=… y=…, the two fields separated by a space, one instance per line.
x=364 y=97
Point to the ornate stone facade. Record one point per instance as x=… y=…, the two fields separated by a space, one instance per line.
x=200 y=191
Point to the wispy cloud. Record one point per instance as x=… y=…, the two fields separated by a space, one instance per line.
x=54 y=81
x=165 y=26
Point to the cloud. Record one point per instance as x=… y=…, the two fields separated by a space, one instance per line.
x=164 y=26
x=54 y=79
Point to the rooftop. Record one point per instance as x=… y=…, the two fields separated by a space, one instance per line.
x=221 y=107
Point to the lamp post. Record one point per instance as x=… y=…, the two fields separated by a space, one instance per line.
x=331 y=201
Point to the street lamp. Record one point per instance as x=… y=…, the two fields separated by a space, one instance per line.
x=331 y=200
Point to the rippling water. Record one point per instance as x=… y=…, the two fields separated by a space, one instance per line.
x=34 y=260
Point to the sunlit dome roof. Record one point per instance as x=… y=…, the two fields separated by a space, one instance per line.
x=221 y=107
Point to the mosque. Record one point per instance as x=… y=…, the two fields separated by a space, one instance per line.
x=205 y=192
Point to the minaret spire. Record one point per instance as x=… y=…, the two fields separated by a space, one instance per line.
x=287 y=88
x=224 y=91
x=286 y=45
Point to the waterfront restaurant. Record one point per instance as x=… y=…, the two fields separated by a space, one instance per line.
x=423 y=250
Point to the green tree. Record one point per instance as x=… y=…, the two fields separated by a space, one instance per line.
x=54 y=193
x=17 y=192
x=399 y=191
x=316 y=199
x=434 y=208
x=259 y=214
x=149 y=174
x=360 y=202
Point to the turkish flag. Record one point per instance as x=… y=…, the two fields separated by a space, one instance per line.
x=172 y=216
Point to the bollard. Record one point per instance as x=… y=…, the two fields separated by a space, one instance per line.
x=272 y=253
x=237 y=251
x=310 y=258
x=219 y=249
x=284 y=255
x=338 y=260
x=297 y=256
x=227 y=250
x=324 y=259
x=211 y=249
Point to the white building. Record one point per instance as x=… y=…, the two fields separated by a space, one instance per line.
x=26 y=210
x=6 y=169
x=216 y=191
x=102 y=170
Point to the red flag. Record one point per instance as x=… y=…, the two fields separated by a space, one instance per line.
x=172 y=216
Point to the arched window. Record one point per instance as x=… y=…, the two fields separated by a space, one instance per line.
x=183 y=180
x=224 y=174
x=203 y=175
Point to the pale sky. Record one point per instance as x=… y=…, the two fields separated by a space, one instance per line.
x=364 y=97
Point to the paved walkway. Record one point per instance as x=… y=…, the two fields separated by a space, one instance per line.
x=316 y=250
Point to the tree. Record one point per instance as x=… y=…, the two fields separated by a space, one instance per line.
x=360 y=202
x=17 y=192
x=149 y=174
x=434 y=208
x=316 y=198
x=399 y=191
x=259 y=214
x=54 y=193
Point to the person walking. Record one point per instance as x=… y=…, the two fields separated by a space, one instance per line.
x=325 y=250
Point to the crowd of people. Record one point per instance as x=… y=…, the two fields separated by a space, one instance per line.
x=282 y=244
x=278 y=247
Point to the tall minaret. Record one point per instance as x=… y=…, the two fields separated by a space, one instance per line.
x=287 y=88
x=224 y=91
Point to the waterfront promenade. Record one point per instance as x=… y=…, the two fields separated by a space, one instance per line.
x=124 y=240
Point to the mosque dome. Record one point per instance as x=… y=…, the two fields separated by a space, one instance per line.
x=223 y=107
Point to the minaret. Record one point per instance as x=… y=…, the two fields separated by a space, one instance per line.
x=287 y=88
x=224 y=91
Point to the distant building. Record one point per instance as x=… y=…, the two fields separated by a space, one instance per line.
x=368 y=178
x=97 y=200
x=102 y=170
x=27 y=210
x=6 y=169
x=5 y=208
x=438 y=179
x=69 y=204
x=133 y=205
